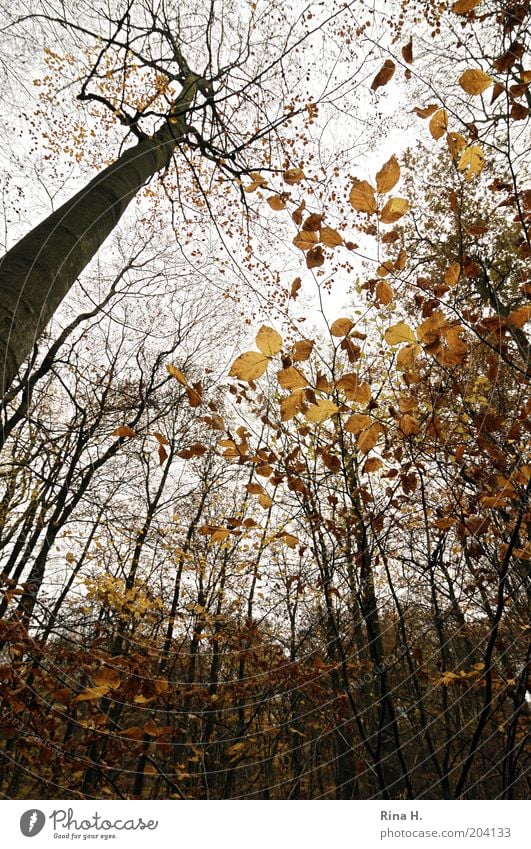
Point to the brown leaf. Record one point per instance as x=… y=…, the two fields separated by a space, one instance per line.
x=295 y=286
x=384 y=74
x=315 y=257
x=330 y=237
x=407 y=52
x=302 y=350
x=293 y=175
x=425 y=111
x=462 y=7
x=313 y=222
x=384 y=293
x=124 y=430
x=305 y=240
x=276 y=203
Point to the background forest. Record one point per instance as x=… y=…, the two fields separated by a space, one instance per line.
x=264 y=521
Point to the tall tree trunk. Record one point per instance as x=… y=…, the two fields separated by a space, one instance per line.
x=37 y=273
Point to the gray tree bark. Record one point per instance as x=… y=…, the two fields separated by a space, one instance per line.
x=37 y=273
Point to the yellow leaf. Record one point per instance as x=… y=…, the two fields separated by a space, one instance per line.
x=92 y=693
x=124 y=430
x=268 y=341
x=406 y=358
x=461 y=7
x=368 y=438
x=362 y=197
x=520 y=316
x=474 y=81
x=471 y=162
x=291 y=378
x=265 y=501
x=330 y=237
x=321 y=411
x=388 y=175
x=357 y=422
x=398 y=333
x=277 y=203
x=177 y=374
x=385 y=268
x=439 y=123
x=249 y=366
x=341 y=326
x=384 y=293
x=456 y=144
x=305 y=240
x=289 y=540
x=451 y=275
x=394 y=209
x=291 y=405
x=106 y=677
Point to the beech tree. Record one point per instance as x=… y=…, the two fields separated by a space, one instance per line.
x=214 y=84
x=295 y=566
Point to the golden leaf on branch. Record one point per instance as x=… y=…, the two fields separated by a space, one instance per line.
x=394 y=209
x=400 y=332
x=276 y=203
x=471 y=162
x=362 y=197
x=341 y=326
x=384 y=292
x=249 y=366
x=291 y=378
x=439 y=123
x=268 y=341
x=388 y=175
x=462 y=7
x=321 y=411
x=330 y=237
x=475 y=81
x=305 y=240
x=451 y=275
